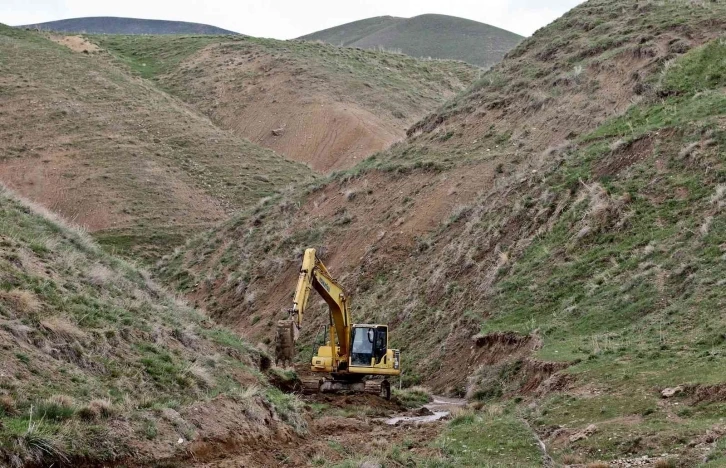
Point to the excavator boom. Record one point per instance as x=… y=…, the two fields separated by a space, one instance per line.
x=313 y=274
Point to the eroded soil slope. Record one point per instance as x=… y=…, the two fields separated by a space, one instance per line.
x=326 y=106
x=133 y=165
x=558 y=230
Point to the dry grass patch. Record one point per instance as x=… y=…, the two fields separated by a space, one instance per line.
x=21 y=301
x=7 y=405
x=63 y=329
x=202 y=375
x=97 y=409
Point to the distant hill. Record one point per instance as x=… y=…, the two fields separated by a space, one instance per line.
x=437 y=36
x=115 y=25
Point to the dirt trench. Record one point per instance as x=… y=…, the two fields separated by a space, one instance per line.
x=351 y=426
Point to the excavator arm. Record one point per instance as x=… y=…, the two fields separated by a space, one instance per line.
x=314 y=275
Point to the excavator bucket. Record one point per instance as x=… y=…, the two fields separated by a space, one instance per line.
x=285 y=342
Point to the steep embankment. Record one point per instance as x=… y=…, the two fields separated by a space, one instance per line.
x=437 y=36
x=326 y=106
x=116 y=25
x=135 y=166
x=102 y=366
x=568 y=209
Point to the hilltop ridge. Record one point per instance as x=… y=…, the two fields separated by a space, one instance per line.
x=120 y=25
x=430 y=35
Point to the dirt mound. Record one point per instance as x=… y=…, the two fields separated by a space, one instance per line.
x=76 y=43
x=356 y=400
x=337 y=426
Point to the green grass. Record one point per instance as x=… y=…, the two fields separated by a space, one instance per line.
x=470 y=439
x=412 y=397
x=702 y=69
x=153 y=55
x=489 y=441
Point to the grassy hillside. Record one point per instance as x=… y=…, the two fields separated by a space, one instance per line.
x=135 y=166
x=348 y=33
x=323 y=105
x=436 y=36
x=101 y=365
x=115 y=25
x=551 y=241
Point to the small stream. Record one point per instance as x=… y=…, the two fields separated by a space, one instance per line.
x=441 y=408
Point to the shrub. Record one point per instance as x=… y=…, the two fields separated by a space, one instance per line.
x=35 y=446
x=56 y=408
x=96 y=409
x=7 y=405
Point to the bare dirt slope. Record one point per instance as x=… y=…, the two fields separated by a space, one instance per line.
x=567 y=209
x=326 y=106
x=116 y=155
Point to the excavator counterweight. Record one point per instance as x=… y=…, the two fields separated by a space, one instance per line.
x=352 y=353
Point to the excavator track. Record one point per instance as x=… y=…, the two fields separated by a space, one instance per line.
x=311 y=384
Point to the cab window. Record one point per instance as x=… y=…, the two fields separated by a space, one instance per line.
x=362 y=350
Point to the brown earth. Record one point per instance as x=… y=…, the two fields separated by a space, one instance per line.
x=283 y=109
x=330 y=439
x=75 y=43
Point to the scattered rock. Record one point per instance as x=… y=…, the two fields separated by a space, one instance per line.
x=423 y=411
x=278 y=131
x=671 y=392
x=369 y=464
x=584 y=434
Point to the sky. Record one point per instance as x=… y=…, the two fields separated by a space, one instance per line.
x=286 y=19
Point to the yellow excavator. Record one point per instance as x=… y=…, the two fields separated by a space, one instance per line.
x=351 y=353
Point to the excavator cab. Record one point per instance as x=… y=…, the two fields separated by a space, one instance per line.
x=369 y=353
x=370 y=345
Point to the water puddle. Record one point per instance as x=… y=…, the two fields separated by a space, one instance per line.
x=439 y=409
